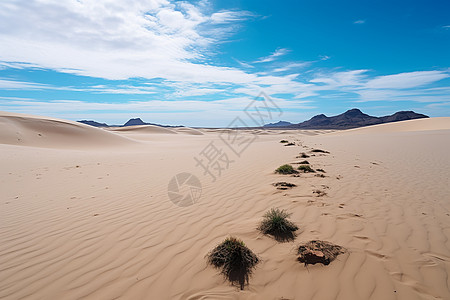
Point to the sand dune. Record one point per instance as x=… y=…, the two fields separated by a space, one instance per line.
x=187 y=130
x=27 y=130
x=143 y=129
x=442 y=123
x=148 y=129
x=100 y=225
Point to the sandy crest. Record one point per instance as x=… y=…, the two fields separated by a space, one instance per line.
x=95 y=224
x=35 y=131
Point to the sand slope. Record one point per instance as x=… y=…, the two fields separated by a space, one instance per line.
x=442 y=123
x=34 y=131
x=143 y=129
x=99 y=225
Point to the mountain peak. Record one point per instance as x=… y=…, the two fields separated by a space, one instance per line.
x=133 y=122
x=278 y=124
x=354 y=112
x=321 y=116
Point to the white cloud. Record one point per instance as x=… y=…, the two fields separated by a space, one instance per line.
x=120 y=40
x=229 y=16
x=340 y=79
x=273 y=56
x=243 y=64
x=416 y=95
x=359 y=22
x=290 y=66
x=406 y=80
x=18 y=85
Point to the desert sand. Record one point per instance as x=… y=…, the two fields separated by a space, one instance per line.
x=85 y=212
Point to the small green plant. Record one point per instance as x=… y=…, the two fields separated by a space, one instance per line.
x=284 y=141
x=282 y=185
x=235 y=260
x=306 y=169
x=286 y=169
x=276 y=223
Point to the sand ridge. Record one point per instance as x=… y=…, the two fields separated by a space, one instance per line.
x=34 y=131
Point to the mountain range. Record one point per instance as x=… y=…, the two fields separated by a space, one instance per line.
x=130 y=122
x=350 y=119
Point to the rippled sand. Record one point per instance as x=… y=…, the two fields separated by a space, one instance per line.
x=85 y=212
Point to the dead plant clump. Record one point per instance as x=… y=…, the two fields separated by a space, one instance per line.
x=317 y=251
x=319 y=193
x=303 y=155
x=319 y=151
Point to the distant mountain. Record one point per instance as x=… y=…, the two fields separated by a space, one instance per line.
x=278 y=124
x=402 y=116
x=138 y=121
x=350 y=119
x=134 y=122
x=130 y=122
x=93 y=123
x=354 y=118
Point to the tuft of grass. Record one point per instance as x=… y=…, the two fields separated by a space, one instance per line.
x=303 y=155
x=284 y=141
x=319 y=151
x=276 y=223
x=285 y=169
x=320 y=170
x=235 y=260
x=282 y=185
x=306 y=169
x=317 y=251
x=303 y=162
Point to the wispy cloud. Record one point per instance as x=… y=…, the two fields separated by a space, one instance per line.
x=279 y=52
x=18 y=85
x=222 y=17
x=290 y=66
x=408 y=86
x=406 y=80
x=359 y=22
x=243 y=64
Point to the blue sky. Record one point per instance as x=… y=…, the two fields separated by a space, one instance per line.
x=199 y=63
